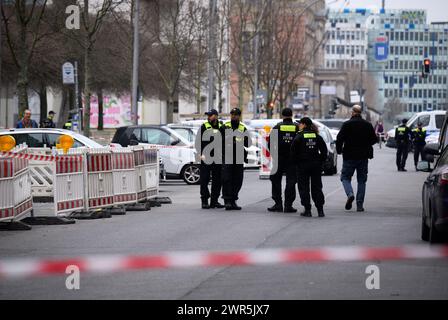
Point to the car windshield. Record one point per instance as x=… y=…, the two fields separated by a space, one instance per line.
x=333 y=124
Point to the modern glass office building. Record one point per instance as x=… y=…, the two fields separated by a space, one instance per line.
x=397 y=43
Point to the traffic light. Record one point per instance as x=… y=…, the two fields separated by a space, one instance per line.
x=427 y=66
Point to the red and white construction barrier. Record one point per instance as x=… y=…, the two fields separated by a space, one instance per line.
x=265 y=168
x=35 y=157
x=113 y=263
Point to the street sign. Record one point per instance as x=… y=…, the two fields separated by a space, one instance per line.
x=68 y=73
x=328 y=90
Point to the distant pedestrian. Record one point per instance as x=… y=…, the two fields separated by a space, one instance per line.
x=403 y=138
x=26 y=121
x=309 y=151
x=419 y=142
x=48 y=122
x=355 y=142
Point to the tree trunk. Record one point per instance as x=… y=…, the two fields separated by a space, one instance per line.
x=87 y=91
x=22 y=80
x=43 y=102
x=100 y=110
x=170 y=110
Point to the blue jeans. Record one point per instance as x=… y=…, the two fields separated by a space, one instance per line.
x=348 y=169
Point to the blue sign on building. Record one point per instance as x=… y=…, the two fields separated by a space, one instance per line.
x=381 y=51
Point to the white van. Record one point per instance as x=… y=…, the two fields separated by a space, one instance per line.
x=432 y=121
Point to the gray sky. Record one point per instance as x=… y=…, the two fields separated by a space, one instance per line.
x=437 y=10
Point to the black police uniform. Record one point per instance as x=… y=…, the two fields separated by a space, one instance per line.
x=47 y=123
x=402 y=137
x=309 y=151
x=419 y=141
x=208 y=170
x=232 y=170
x=287 y=131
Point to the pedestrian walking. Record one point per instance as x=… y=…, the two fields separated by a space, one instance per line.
x=210 y=169
x=234 y=156
x=285 y=132
x=48 y=122
x=419 y=142
x=309 y=151
x=355 y=142
x=26 y=121
x=403 y=138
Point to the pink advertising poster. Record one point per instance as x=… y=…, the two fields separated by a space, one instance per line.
x=117 y=111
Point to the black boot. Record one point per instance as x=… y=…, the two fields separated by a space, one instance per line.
x=290 y=209
x=228 y=205
x=276 y=208
x=306 y=213
x=205 y=204
x=216 y=205
x=320 y=212
x=235 y=206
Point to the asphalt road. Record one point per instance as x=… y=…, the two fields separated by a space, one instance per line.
x=392 y=217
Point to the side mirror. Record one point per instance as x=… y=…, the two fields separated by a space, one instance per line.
x=424 y=166
x=429 y=157
x=175 y=142
x=133 y=142
x=432 y=149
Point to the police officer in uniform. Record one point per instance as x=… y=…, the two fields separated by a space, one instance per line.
x=419 y=141
x=209 y=168
x=48 y=122
x=403 y=137
x=234 y=157
x=309 y=151
x=286 y=132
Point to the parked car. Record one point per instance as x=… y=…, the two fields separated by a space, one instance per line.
x=330 y=166
x=334 y=125
x=432 y=121
x=186 y=131
x=177 y=153
x=435 y=195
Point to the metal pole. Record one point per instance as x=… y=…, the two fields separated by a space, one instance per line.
x=211 y=53
x=80 y=122
x=134 y=107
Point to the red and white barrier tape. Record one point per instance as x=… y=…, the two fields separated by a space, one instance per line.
x=38 y=157
x=113 y=263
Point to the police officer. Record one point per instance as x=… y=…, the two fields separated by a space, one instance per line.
x=286 y=132
x=234 y=157
x=309 y=151
x=48 y=122
x=209 y=167
x=402 y=137
x=419 y=142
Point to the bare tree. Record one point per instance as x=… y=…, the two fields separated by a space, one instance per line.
x=22 y=23
x=392 y=108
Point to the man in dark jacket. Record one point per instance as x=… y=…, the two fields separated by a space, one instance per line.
x=235 y=139
x=48 y=122
x=280 y=148
x=209 y=167
x=355 y=142
x=309 y=151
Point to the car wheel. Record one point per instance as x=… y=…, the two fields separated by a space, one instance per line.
x=191 y=174
x=425 y=230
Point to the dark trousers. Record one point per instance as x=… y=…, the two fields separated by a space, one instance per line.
x=306 y=173
x=284 y=167
x=402 y=154
x=232 y=180
x=213 y=172
x=418 y=152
